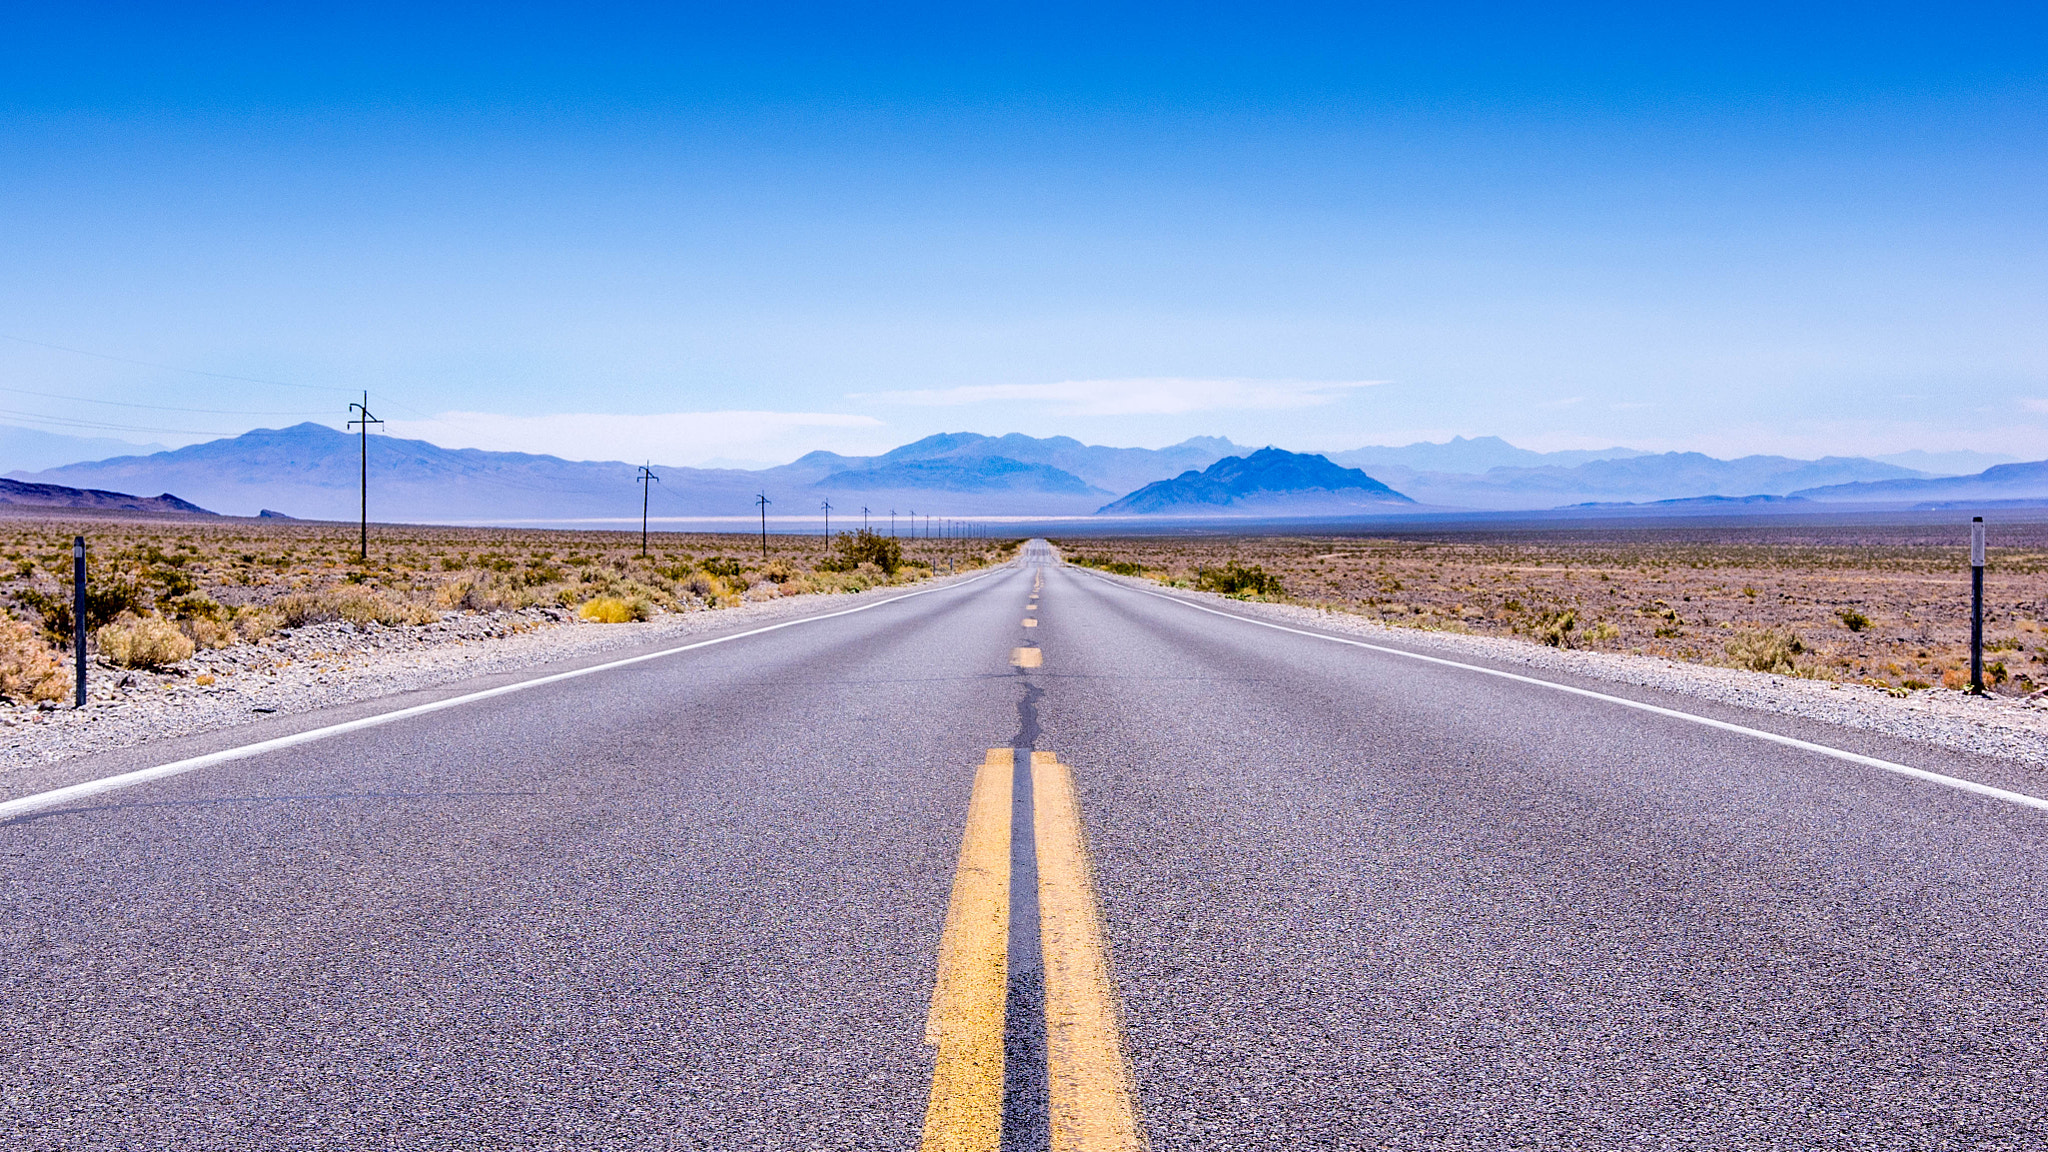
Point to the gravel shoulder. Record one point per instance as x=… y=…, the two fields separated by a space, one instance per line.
x=2009 y=728
x=300 y=670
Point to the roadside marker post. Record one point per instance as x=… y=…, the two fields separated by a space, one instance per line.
x=78 y=618
x=1977 y=605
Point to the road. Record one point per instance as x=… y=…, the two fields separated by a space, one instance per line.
x=1346 y=900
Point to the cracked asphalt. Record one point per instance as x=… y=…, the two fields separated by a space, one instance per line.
x=1353 y=902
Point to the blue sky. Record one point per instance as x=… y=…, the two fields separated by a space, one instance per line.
x=694 y=234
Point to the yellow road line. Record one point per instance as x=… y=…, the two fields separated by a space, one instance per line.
x=1026 y=657
x=1094 y=1106
x=966 y=1022
x=1030 y=623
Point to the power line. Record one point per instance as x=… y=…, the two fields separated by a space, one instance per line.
x=66 y=422
x=169 y=367
x=217 y=376
x=151 y=407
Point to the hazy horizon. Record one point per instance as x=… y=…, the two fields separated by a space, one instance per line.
x=1934 y=463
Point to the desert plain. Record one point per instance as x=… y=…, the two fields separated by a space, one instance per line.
x=1883 y=603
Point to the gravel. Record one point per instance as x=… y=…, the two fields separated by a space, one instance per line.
x=2011 y=728
x=318 y=666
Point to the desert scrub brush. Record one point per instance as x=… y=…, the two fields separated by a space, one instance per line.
x=29 y=669
x=143 y=642
x=613 y=610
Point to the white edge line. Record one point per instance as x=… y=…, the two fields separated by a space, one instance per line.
x=56 y=796
x=2019 y=798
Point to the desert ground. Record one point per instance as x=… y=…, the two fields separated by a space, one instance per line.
x=160 y=591
x=1881 y=604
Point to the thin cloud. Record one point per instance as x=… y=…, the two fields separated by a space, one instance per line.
x=1139 y=396
x=2034 y=404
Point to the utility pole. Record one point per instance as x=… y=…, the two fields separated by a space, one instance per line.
x=863 y=517
x=647 y=480
x=892 y=523
x=913 y=523
x=366 y=421
x=764 y=502
x=78 y=618
x=1977 y=605
x=827 y=506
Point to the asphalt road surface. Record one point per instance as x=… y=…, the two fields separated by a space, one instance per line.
x=1347 y=900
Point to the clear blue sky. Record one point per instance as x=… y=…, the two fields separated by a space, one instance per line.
x=715 y=232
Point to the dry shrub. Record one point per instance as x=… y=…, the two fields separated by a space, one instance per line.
x=302 y=608
x=1772 y=650
x=143 y=642
x=254 y=623
x=857 y=579
x=29 y=669
x=353 y=603
x=716 y=591
x=207 y=632
x=486 y=592
x=1555 y=628
x=360 y=605
x=1240 y=580
x=614 y=610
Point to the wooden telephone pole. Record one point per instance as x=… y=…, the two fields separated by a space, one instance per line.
x=365 y=422
x=647 y=480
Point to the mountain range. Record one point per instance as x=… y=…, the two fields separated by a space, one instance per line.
x=1642 y=477
x=311 y=471
x=1267 y=482
x=21 y=494
x=28 y=449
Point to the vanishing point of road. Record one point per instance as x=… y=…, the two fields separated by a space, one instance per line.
x=1036 y=859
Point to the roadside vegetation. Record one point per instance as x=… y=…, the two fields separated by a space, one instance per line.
x=1883 y=606
x=159 y=591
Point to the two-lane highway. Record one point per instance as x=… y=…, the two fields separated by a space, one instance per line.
x=1345 y=900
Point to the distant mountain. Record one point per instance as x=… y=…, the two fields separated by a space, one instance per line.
x=1702 y=502
x=987 y=474
x=1636 y=479
x=19 y=494
x=1106 y=470
x=28 y=449
x=1956 y=463
x=2003 y=482
x=1268 y=482
x=1475 y=455
x=310 y=471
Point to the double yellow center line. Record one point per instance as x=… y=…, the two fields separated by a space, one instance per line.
x=1093 y=1107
